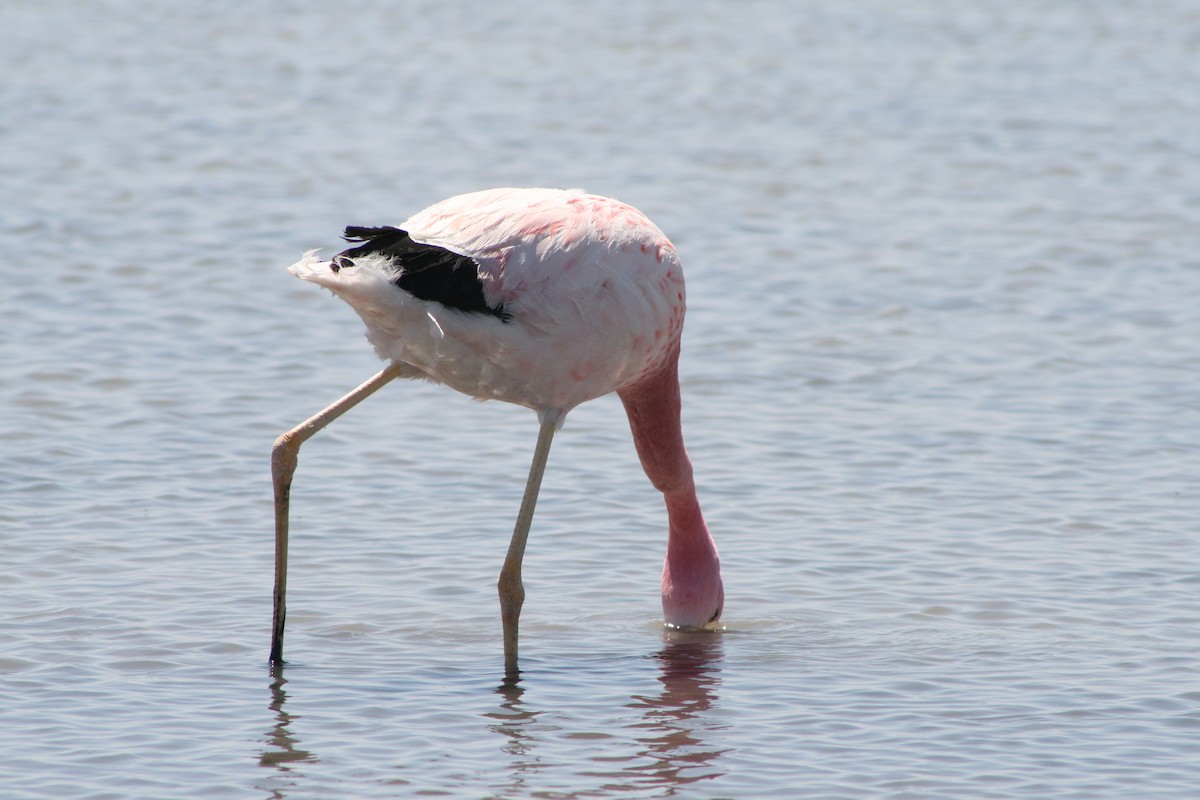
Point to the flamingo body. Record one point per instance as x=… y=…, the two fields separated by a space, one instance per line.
x=590 y=293
x=547 y=299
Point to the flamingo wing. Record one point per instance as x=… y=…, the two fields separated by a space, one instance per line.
x=425 y=271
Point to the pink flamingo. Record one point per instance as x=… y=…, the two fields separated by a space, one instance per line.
x=539 y=297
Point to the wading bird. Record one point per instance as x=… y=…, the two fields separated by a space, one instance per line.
x=543 y=298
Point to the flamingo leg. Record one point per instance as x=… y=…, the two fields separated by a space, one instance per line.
x=283 y=465
x=512 y=592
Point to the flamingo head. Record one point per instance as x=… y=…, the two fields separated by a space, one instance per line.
x=693 y=594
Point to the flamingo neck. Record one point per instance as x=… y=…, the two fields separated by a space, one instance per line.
x=692 y=591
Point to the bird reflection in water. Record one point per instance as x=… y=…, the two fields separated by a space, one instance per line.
x=521 y=728
x=671 y=750
x=690 y=675
x=282 y=747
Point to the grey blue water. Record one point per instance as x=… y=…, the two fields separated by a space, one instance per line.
x=941 y=382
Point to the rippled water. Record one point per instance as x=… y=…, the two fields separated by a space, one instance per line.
x=940 y=381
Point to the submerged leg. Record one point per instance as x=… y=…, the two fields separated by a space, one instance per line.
x=512 y=593
x=283 y=466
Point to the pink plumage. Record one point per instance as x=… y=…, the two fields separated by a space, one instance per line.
x=543 y=298
x=594 y=289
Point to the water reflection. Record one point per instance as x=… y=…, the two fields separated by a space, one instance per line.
x=671 y=747
x=677 y=752
x=284 y=748
x=519 y=726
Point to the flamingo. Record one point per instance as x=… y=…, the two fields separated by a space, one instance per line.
x=541 y=297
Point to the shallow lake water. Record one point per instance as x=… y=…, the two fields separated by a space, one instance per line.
x=940 y=382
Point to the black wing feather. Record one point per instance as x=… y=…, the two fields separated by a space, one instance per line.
x=425 y=271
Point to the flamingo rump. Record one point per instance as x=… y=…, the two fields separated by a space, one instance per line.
x=540 y=297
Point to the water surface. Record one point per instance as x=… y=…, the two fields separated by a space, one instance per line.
x=939 y=383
